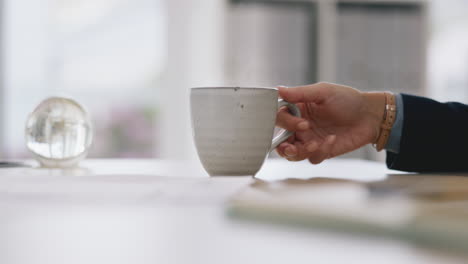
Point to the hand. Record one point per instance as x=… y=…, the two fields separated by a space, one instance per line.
x=335 y=120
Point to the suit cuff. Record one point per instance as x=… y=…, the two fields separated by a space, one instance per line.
x=393 y=143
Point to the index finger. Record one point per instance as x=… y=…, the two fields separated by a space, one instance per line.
x=309 y=93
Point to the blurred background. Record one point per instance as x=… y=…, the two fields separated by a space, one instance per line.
x=131 y=62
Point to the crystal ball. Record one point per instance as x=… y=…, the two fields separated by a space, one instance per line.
x=59 y=132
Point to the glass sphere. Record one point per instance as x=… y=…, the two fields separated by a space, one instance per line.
x=59 y=132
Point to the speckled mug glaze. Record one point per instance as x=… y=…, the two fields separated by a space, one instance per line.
x=233 y=127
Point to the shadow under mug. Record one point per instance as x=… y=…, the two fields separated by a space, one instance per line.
x=233 y=127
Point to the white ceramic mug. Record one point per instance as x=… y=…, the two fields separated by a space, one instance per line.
x=233 y=127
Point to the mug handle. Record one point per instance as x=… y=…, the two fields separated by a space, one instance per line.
x=285 y=134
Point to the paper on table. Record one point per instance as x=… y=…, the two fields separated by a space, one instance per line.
x=431 y=212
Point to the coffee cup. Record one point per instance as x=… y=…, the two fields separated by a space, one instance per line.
x=233 y=127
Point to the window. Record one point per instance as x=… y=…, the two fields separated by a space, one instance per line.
x=108 y=55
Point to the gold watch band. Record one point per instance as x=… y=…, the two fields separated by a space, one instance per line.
x=388 y=120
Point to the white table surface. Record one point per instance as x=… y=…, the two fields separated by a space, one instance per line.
x=154 y=211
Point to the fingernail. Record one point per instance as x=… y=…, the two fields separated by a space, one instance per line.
x=311 y=147
x=303 y=125
x=289 y=152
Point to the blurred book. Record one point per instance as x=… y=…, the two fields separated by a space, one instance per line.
x=427 y=209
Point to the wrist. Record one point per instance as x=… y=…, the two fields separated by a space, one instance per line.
x=374 y=109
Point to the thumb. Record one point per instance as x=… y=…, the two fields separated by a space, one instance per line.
x=304 y=94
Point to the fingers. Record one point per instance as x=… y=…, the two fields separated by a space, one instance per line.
x=281 y=147
x=314 y=151
x=289 y=122
x=323 y=152
x=310 y=93
x=281 y=150
x=293 y=152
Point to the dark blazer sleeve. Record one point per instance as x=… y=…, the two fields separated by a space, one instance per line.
x=434 y=137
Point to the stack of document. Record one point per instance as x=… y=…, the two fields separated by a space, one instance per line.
x=427 y=209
